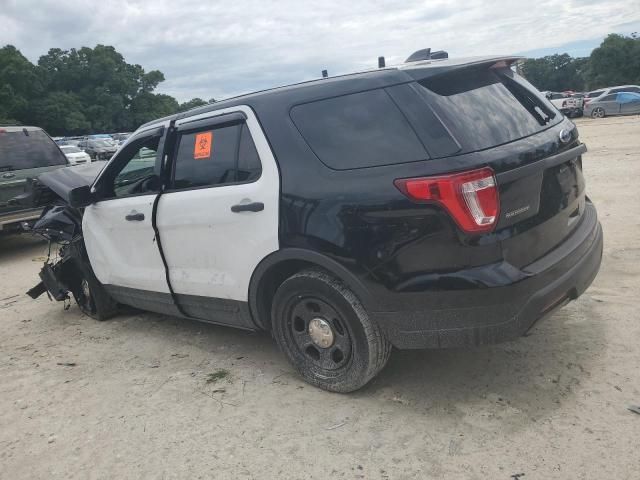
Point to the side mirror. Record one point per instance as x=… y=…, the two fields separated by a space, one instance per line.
x=81 y=197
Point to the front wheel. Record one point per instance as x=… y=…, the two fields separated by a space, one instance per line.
x=90 y=295
x=326 y=333
x=598 y=112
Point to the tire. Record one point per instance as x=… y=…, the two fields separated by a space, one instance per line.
x=89 y=294
x=598 y=112
x=325 y=332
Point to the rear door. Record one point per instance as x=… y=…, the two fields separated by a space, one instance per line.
x=218 y=218
x=25 y=152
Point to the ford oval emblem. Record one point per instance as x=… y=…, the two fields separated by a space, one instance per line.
x=565 y=135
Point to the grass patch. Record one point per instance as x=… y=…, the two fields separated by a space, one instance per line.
x=219 y=374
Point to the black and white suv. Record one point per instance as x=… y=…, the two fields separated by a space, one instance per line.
x=436 y=204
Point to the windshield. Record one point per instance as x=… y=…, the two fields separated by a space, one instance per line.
x=100 y=143
x=70 y=149
x=24 y=149
x=487 y=107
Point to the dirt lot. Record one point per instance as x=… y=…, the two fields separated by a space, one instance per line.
x=134 y=397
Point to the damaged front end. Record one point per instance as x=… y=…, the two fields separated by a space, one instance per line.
x=61 y=225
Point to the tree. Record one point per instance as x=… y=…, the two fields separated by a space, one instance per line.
x=615 y=62
x=19 y=83
x=79 y=91
x=555 y=72
x=194 y=103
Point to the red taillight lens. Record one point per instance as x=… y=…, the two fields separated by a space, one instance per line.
x=470 y=197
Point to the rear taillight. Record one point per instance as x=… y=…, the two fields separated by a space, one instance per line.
x=470 y=197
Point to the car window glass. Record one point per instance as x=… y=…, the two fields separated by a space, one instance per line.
x=609 y=98
x=628 y=97
x=137 y=174
x=249 y=167
x=25 y=149
x=359 y=130
x=206 y=157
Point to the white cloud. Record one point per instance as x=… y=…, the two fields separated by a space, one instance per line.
x=217 y=49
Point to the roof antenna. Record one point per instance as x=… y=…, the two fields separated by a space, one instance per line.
x=381 y=62
x=325 y=74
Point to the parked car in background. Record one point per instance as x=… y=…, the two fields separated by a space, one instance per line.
x=606 y=91
x=625 y=103
x=98 y=149
x=25 y=152
x=75 y=155
x=120 y=138
x=567 y=104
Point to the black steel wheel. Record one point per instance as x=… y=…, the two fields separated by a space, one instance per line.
x=326 y=333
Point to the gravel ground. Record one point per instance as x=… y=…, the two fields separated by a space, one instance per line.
x=150 y=396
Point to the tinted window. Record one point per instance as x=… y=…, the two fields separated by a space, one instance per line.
x=608 y=98
x=249 y=167
x=214 y=157
x=358 y=130
x=484 y=107
x=33 y=149
x=595 y=94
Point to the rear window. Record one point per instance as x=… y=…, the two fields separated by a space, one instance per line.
x=595 y=94
x=25 y=149
x=484 y=108
x=359 y=130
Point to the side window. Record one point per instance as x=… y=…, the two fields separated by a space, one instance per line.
x=136 y=172
x=609 y=98
x=215 y=157
x=358 y=130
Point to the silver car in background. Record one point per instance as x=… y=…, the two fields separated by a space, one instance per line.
x=625 y=103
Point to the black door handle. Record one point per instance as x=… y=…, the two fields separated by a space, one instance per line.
x=248 y=207
x=135 y=217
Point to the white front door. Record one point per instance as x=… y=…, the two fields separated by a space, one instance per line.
x=118 y=230
x=218 y=218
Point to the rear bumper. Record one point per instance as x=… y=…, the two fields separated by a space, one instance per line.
x=503 y=302
x=12 y=221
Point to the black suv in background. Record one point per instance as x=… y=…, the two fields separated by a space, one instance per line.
x=25 y=152
x=440 y=203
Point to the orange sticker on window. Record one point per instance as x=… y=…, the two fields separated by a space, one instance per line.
x=202 y=148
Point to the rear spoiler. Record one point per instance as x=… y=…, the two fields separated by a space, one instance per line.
x=427 y=69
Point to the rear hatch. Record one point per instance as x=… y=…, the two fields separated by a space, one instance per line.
x=494 y=118
x=25 y=152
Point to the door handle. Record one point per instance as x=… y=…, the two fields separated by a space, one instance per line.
x=134 y=217
x=248 y=207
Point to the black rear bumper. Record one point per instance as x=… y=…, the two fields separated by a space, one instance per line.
x=503 y=310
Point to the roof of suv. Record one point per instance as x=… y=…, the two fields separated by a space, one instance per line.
x=341 y=84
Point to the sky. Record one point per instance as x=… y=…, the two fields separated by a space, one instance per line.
x=215 y=49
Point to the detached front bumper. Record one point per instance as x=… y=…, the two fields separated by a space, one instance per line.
x=500 y=312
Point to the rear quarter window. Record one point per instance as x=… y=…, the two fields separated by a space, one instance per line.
x=359 y=130
x=26 y=149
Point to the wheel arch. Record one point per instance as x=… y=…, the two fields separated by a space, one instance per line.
x=280 y=265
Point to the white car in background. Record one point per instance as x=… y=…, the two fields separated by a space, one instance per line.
x=75 y=155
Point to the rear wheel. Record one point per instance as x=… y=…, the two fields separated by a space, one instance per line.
x=325 y=332
x=598 y=112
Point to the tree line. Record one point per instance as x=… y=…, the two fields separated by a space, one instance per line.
x=94 y=90
x=79 y=91
x=615 y=62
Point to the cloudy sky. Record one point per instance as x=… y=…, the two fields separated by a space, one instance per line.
x=218 y=49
